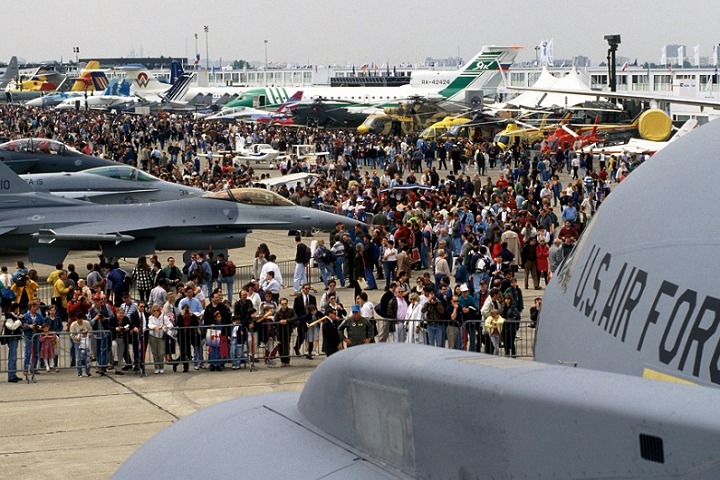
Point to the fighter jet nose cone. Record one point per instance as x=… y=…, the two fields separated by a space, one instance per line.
x=639 y=283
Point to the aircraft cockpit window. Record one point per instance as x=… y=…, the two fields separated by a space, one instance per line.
x=118 y=173
x=42 y=145
x=252 y=196
x=122 y=172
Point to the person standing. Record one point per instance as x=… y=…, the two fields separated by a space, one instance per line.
x=301 y=306
x=302 y=259
x=12 y=334
x=101 y=318
x=355 y=329
x=285 y=318
x=332 y=341
x=32 y=323
x=158 y=325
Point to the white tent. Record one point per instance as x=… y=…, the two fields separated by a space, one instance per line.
x=533 y=99
x=573 y=81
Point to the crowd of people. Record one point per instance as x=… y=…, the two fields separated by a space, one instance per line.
x=493 y=221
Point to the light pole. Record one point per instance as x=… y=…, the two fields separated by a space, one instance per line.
x=207 y=55
x=613 y=42
x=266 y=65
x=196 y=61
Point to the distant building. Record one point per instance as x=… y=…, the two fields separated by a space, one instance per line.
x=453 y=62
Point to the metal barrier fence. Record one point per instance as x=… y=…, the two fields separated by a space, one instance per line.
x=243 y=275
x=200 y=347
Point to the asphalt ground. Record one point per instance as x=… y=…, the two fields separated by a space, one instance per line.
x=65 y=426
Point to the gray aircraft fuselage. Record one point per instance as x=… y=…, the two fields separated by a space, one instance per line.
x=41 y=155
x=115 y=184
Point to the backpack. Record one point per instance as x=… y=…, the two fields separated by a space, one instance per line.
x=483 y=264
x=228 y=269
x=327 y=256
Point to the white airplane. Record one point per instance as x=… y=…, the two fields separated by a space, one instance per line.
x=289 y=180
x=250 y=114
x=465 y=86
x=638 y=145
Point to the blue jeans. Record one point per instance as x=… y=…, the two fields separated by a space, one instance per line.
x=230 y=282
x=339 y=273
x=456 y=245
x=326 y=271
x=236 y=351
x=32 y=349
x=436 y=335
x=472 y=328
x=299 y=277
x=423 y=256
x=214 y=356
x=370 y=279
x=388 y=269
x=12 y=358
x=198 y=354
x=102 y=341
x=83 y=359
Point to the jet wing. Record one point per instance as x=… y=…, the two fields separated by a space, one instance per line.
x=698 y=102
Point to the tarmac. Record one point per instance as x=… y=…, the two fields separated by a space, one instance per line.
x=86 y=428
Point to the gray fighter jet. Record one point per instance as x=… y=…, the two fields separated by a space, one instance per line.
x=638 y=297
x=42 y=155
x=111 y=185
x=49 y=226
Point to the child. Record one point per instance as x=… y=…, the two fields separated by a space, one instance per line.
x=47 y=346
x=493 y=326
x=85 y=352
x=237 y=342
x=535 y=312
x=418 y=335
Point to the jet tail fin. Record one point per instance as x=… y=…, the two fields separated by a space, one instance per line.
x=143 y=81
x=176 y=71
x=11 y=181
x=490 y=62
x=290 y=102
x=11 y=72
x=179 y=88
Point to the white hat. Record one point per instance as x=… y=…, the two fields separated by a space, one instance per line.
x=464 y=287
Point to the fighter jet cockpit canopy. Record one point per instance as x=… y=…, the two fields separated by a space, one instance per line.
x=123 y=172
x=40 y=145
x=251 y=196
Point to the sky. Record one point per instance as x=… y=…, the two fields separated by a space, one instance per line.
x=323 y=32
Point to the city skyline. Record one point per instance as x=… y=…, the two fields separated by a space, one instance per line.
x=311 y=32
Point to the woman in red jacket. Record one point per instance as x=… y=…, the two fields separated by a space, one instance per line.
x=542 y=251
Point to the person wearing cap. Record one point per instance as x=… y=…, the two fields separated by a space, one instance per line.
x=469 y=307
x=355 y=329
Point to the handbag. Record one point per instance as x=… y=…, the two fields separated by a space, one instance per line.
x=7 y=294
x=212 y=337
x=362 y=283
